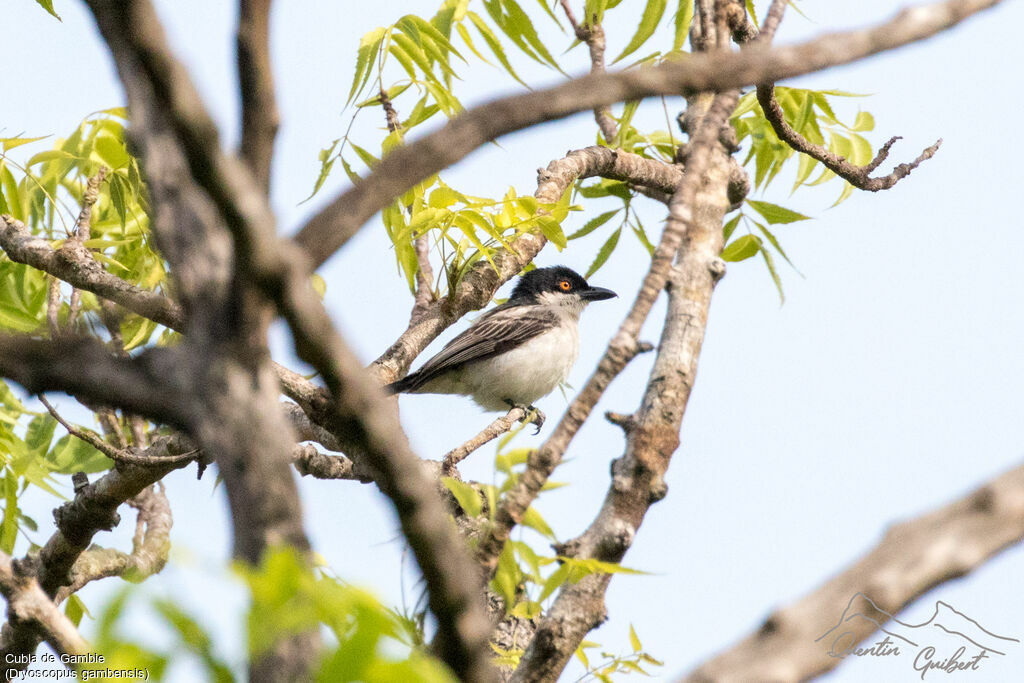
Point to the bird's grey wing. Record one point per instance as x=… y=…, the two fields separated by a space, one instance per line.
x=489 y=337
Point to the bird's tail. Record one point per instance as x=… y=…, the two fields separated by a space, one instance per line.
x=401 y=386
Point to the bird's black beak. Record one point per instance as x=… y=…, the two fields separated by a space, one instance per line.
x=597 y=294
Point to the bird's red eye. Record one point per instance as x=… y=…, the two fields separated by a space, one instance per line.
x=565 y=285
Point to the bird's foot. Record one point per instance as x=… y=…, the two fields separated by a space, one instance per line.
x=533 y=414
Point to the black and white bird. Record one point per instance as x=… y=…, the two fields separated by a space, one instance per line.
x=517 y=353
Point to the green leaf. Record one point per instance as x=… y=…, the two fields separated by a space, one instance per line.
x=753 y=15
x=742 y=248
x=683 y=19
x=9 y=526
x=847 y=189
x=492 y=42
x=467 y=497
x=552 y=230
x=775 y=214
x=634 y=639
x=557 y=578
x=648 y=23
x=804 y=170
x=368 y=47
x=48 y=6
x=865 y=121
x=774 y=242
x=606 y=250
x=593 y=224
x=40 y=433
x=730 y=227
x=7 y=144
x=506 y=577
x=533 y=519
x=770 y=262
x=12 y=192
x=71 y=454
x=75 y=609
x=520 y=25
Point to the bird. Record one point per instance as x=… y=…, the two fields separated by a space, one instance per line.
x=516 y=353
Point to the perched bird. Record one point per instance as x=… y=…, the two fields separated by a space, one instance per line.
x=518 y=352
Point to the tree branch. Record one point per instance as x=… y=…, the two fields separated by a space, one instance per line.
x=74 y=264
x=144 y=384
x=912 y=558
x=279 y=270
x=260 y=118
x=30 y=608
x=622 y=348
x=591 y=33
x=696 y=214
x=150 y=546
x=325 y=232
x=858 y=176
x=93 y=509
x=492 y=431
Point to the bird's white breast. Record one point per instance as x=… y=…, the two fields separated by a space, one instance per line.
x=526 y=373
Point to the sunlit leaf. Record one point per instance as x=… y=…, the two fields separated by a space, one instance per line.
x=653 y=12
x=775 y=214
x=742 y=248
x=604 y=252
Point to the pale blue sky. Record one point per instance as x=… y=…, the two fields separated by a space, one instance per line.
x=887 y=384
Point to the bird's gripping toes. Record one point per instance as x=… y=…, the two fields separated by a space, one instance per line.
x=516 y=353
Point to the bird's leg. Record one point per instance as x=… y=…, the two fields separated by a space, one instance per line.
x=533 y=414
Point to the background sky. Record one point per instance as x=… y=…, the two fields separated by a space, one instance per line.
x=886 y=385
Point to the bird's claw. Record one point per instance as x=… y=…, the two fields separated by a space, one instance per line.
x=533 y=414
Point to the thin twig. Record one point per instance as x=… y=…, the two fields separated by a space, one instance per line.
x=127 y=455
x=858 y=176
x=591 y=33
x=491 y=432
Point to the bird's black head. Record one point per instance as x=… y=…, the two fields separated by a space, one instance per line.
x=559 y=280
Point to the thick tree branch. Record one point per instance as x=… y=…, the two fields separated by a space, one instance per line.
x=622 y=348
x=912 y=558
x=260 y=118
x=408 y=165
x=280 y=271
x=82 y=367
x=30 y=608
x=150 y=546
x=73 y=264
x=696 y=214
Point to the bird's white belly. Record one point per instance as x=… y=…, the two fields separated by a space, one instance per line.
x=526 y=373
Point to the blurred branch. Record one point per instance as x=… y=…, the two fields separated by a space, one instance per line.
x=84 y=368
x=280 y=271
x=912 y=558
x=260 y=118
